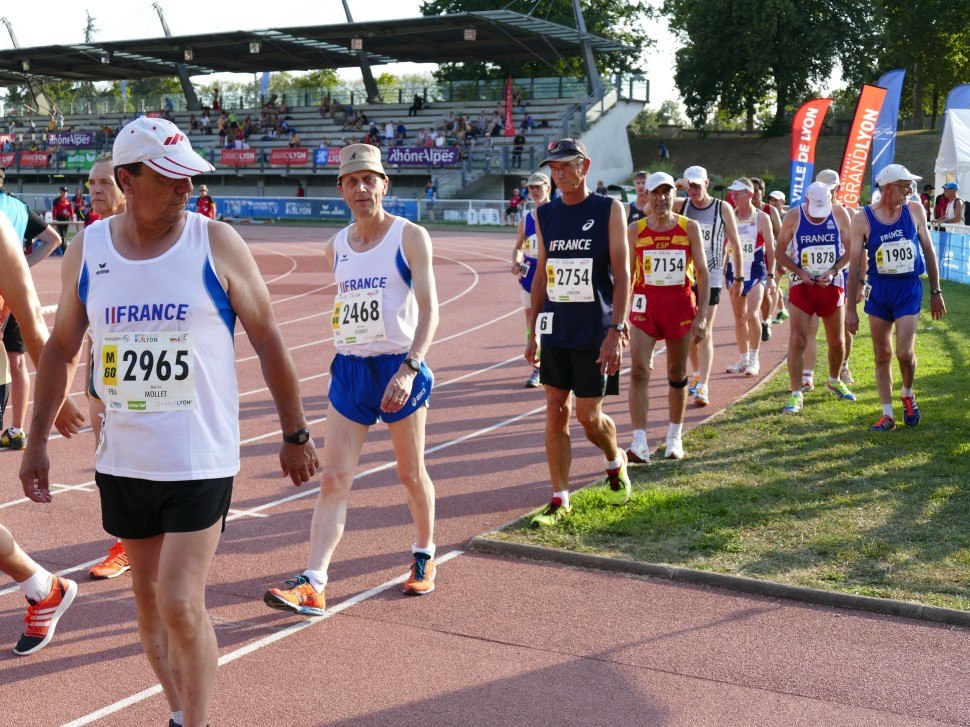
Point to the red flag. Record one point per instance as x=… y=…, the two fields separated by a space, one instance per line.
x=805 y=130
x=858 y=144
x=509 y=126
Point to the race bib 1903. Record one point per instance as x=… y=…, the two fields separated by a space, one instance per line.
x=896 y=257
x=148 y=372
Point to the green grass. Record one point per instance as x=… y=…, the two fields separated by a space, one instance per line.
x=812 y=500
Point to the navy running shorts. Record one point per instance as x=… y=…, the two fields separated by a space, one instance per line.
x=357 y=385
x=576 y=370
x=892 y=298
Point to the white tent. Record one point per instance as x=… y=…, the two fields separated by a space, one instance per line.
x=953 y=160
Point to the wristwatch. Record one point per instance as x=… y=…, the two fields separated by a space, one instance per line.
x=771 y=276
x=301 y=436
x=413 y=364
x=621 y=327
x=936 y=291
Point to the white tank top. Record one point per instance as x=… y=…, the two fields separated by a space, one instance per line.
x=374 y=311
x=164 y=358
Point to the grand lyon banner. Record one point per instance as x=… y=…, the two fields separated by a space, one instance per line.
x=858 y=145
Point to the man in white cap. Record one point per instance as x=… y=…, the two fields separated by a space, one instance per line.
x=829 y=177
x=953 y=208
x=384 y=317
x=582 y=292
x=811 y=248
x=720 y=232
x=161 y=289
x=668 y=259
x=759 y=202
x=893 y=239
x=525 y=254
x=757 y=258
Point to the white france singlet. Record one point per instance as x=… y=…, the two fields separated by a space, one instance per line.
x=374 y=310
x=164 y=358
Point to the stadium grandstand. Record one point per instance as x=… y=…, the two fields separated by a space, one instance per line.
x=268 y=148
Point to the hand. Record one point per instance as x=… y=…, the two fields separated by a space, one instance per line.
x=771 y=286
x=937 y=307
x=299 y=461
x=806 y=278
x=824 y=279
x=611 y=353
x=851 y=320
x=398 y=390
x=34 y=471
x=737 y=287
x=531 y=351
x=69 y=419
x=516 y=268
x=698 y=329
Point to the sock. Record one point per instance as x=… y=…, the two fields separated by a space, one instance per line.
x=697 y=374
x=176 y=717
x=797 y=393
x=833 y=381
x=317 y=578
x=564 y=496
x=614 y=464
x=15 y=431
x=808 y=373
x=906 y=392
x=38 y=586
x=429 y=551
x=674 y=430
x=639 y=435
x=887 y=410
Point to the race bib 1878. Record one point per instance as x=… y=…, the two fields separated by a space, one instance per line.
x=817 y=260
x=148 y=372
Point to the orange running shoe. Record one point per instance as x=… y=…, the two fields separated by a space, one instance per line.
x=43 y=615
x=301 y=597
x=421 y=580
x=113 y=566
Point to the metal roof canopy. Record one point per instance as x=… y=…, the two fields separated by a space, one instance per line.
x=501 y=35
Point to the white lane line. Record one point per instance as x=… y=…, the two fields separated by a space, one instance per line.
x=257 y=645
x=56 y=487
x=245 y=513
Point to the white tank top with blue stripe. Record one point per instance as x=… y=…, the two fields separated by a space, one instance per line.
x=375 y=311
x=164 y=358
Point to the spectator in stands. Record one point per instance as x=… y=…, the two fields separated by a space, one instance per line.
x=440 y=140
x=447 y=122
x=272 y=101
x=350 y=121
x=283 y=109
x=512 y=211
x=400 y=134
x=204 y=122
x=324 y=107
x=373 y=130
x=494 y=124
x=216 y=101
x=528 y=123
x=416 y=105
x=193 y=123
x=421 y=137
x=233 y=119
x=205 y=205
x=222 y=124
x=518 y=145
x=294 y=139
x=516 y=97
x=601 y=188
x=300 y=192
x=62 y=212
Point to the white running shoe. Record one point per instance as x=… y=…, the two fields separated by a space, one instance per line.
x=740 y=366
x=675 y=447
x=754 y=366
x=639 y=452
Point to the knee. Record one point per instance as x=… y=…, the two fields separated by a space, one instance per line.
x=640 y=373
x=413 y=477
x=6 y=544
x=335 y=481
x=588 y=418
x=180 y=613
x=882 y=355
x=906 y=356
x=797 y=341
x=676 y=371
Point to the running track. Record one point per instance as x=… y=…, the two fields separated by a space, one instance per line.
x=501 y=641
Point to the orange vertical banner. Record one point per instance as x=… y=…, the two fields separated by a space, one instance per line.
x=858 y=145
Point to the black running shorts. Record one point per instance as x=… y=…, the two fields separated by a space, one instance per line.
x=135 y=508
x=714 y=298
x=577 y=371
x=13 y=339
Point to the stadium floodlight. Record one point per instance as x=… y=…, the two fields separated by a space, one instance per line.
x=357 y=44
x=255 y=46
x=188 y=55
x=25 y=64
x=471 y=33
x=105 y=58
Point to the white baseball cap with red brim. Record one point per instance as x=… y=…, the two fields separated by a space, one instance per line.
x=158 y=144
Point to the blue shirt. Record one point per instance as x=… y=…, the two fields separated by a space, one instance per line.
x=901 y=249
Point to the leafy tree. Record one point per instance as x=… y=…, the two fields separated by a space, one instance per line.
x=734 y=55
x=649 y=121
x=616 y=19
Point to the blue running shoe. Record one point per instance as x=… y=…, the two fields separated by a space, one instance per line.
x=886 y=424
x=910 y=411
x=841 y=391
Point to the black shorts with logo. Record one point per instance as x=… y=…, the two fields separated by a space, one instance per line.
x=13 y=339
x=577 y=371
x=135 y=508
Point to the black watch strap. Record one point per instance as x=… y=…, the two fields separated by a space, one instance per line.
x=301 y=436
x=936 y=291
x=414 y=364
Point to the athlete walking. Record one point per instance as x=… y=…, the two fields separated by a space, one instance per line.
x=161 y=289
x=667 y=253
x=893 y=239
x=384 y=317
x=582 y=292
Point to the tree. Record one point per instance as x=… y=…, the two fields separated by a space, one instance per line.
x=616 y=19
x=735 y=55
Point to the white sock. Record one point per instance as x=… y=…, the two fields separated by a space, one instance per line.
x=612 y=464
x=429 y=551
x=833 y=381
x=906 y=392
x=639 y=435
x=564 y=496
x=674 y=430
x=15 y=431
x=887 y=410
x=753 y=356
x=697 y=374
x=38 y=586
x=808 y=373
x=176 y=717
x=317 y=578
x=797 y=393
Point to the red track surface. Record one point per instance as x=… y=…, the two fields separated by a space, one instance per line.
x=500 y=641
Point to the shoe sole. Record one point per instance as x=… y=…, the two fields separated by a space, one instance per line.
x=279 y=604
x=120 y=572
x=673 y=455
x=68 y=599
x=701 y=402
x=633 y=458
x=530 y=385
x=412 y=592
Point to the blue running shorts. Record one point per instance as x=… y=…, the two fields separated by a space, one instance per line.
x=357 y=386
x=892 y=298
